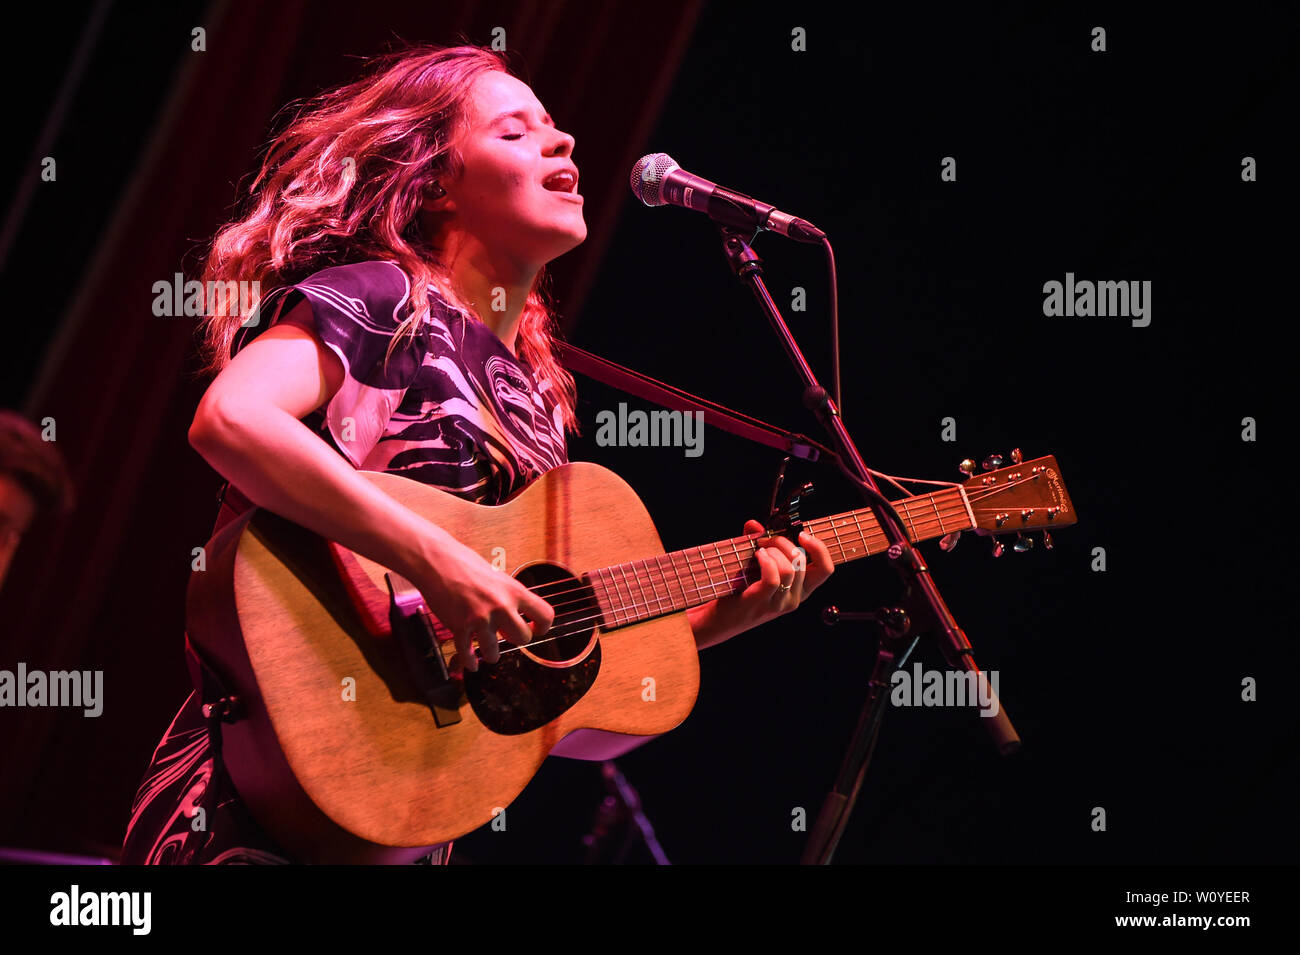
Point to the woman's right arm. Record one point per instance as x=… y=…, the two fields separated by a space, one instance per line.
x=247 y=427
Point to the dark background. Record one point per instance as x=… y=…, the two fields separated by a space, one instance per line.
x=1124 y=165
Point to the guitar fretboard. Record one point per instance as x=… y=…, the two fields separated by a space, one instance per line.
x=643 y=589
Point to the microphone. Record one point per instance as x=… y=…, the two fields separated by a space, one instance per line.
x=657 y=180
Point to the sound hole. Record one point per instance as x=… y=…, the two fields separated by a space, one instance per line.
x=529 y=687
x=574 y=604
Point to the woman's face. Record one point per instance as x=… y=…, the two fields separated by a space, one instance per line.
x=510 y=147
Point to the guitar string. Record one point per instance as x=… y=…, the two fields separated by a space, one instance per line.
x=868 y=540
x=953 y=509
x=725 y=562
x=571 y=626
x=575 y=625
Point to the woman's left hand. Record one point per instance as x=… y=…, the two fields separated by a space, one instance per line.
x=789 y=574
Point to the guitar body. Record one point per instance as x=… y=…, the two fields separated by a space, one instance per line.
x=334 y=750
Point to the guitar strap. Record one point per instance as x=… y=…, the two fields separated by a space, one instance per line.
x=212 y=694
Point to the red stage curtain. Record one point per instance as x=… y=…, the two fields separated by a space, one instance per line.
x=104 y=589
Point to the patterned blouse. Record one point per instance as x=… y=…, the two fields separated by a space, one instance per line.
x=452 y=408
x=456 y=409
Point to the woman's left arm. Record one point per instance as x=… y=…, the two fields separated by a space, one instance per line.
x=789 y=574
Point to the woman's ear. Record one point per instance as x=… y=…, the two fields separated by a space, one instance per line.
x=433 y=197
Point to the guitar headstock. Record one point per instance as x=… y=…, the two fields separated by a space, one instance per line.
x=1028 y=495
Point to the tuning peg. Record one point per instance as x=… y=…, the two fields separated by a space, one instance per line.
x=997 y=547
x=992 y=462
x=1022 y=544
x=1016 y=456
x=1047 y=540
x=949 y=541
x=967 y=467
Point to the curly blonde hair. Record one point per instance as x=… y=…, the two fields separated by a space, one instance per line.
x=311 y=208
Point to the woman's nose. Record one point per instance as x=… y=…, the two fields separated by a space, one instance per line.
x=565 y=143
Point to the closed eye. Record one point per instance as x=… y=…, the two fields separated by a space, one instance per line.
x=513 y=136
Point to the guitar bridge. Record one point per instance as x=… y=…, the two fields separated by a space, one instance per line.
x=414 y=633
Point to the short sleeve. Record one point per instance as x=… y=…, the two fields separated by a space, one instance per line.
x=356 y=310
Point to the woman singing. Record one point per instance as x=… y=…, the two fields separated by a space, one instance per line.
x=402 y=224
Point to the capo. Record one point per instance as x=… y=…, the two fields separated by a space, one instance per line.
x=784 y=520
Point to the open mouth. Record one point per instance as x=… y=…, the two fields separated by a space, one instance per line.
x=563 y=183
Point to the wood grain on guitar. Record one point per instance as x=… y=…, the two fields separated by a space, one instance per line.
x=337 y=753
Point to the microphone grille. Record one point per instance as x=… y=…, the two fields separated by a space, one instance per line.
x=648 y=176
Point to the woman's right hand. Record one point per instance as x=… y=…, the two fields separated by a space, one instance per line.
x=473 y=599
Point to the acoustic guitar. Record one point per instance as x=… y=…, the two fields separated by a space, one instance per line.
x=354 y=736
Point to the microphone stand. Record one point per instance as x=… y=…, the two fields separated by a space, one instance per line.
x=921 y=596
x=621 y=805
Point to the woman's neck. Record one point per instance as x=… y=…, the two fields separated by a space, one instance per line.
x=496 y=288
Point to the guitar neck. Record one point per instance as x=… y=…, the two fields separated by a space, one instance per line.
x=644 y=589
